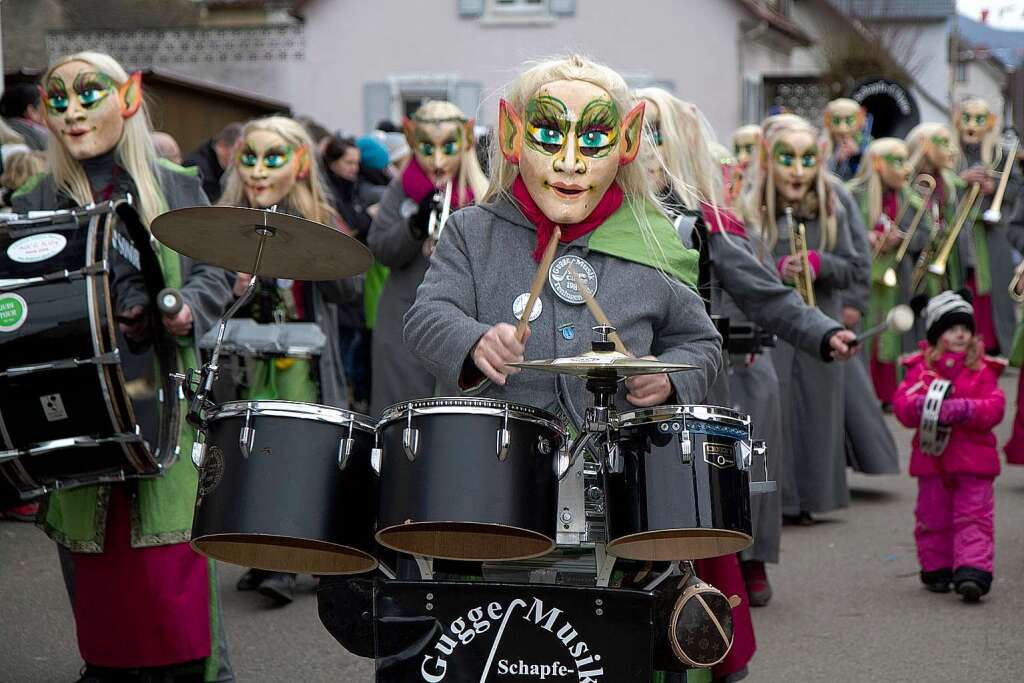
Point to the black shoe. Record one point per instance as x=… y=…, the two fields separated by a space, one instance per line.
x=938 y=580
x=278 y=587
x=251 y=580
x=971 y=583
x=802 y=519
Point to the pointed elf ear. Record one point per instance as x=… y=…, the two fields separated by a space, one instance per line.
x=409 y=128
x=129 y=94
x=826 y=120
x=632 y=127
x=862 y=116
x=877 y=165
x=510 y=132
x=765 y=153
x=469 y=133
x=304 y=162
x=43 y=98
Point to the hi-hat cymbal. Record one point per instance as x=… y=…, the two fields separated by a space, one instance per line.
x=228 y=236
x=603 y=364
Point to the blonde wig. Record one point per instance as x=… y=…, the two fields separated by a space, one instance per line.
x=308 y=197
x=134 y=152
x=868 y=179
x=918 y=140
x=760 y=200
x=991 y=149
x=470 y=173
x=21 y=166
x=631 y=178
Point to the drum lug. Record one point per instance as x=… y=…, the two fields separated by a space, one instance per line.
x=410 y=437
x=198 y=454
x=376 y=457
x=345 y=446
x=761 y=448
x=504 y=438
x=247 y=436
x=685 y=447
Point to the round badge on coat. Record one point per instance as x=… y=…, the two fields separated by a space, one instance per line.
x=520 y=304
x=561 y=282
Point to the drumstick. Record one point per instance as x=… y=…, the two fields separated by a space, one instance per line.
x=595 y=310
x=539 y=279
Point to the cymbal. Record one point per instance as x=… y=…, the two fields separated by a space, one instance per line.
x=603 y=364
x=297 y=249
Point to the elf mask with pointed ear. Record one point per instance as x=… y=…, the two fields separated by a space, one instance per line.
x=569 y=144
x=974 y=121
x=86 y=110
x=438 y=141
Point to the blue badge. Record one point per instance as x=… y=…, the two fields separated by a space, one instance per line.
x=568 y=331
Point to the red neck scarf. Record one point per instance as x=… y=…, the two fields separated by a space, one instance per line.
x=609 y=204
x=890 y=203
x=417 y=185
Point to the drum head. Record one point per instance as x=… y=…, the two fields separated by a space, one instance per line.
x=284 y=554
x=679 y=544
x=474 y=541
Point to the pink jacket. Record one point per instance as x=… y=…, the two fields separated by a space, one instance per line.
x=972 y=444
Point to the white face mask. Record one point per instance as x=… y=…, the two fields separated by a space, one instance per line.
x=269 y=167
x=84 y=110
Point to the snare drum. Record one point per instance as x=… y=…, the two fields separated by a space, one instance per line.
x=287 y=486
x=680 y=488
x=468 y=479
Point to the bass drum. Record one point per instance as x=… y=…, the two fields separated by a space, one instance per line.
x=287 y=486
x=469 y=479
x=681 y=488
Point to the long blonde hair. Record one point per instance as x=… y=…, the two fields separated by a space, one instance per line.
x=632 y=178
x=134 y=151
x=308 y=196
x=918 y=140
x=759 y=195
x=470 y=173
x=991 y=150
x=21 y=166
x=869 y=180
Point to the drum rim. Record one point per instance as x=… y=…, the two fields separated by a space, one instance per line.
x=469 y=405
x=664 y=413
x=295 y=409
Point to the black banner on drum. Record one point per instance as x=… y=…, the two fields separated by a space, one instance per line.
x=471 y=632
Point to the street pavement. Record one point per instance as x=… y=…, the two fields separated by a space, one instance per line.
x=848 y=605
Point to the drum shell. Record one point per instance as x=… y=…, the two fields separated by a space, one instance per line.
x=457 y=477
x=289 y=492
x=657 y=491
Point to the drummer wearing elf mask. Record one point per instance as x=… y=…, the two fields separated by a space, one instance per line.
x=568 y=134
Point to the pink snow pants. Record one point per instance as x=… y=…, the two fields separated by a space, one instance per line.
x=955 y=524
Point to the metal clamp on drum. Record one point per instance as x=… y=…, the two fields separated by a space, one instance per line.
x=933 y=436
x=759 y=448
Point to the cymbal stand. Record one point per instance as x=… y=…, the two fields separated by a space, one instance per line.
x=198 y=385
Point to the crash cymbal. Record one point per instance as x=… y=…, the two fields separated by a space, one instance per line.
x=227 y=236
x=603 y=364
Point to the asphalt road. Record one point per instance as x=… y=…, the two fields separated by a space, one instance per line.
x=848 y=605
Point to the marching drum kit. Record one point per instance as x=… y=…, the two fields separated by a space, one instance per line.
x=539 y=504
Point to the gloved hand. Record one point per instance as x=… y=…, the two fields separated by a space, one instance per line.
x=919 y=406
x=420 y=221
x=954 y=411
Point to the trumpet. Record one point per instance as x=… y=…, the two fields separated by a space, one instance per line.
x=993 y=215
x=927 y=182
x=798 y=250
x=966 y=208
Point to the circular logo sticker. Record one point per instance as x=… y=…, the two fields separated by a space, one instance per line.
x=213 y=471
x=519 y=305
x=13 y=312
x=35 y=248
x=562 y=282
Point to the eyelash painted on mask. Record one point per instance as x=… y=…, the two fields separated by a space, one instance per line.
x=600 y=115
x=546 y=112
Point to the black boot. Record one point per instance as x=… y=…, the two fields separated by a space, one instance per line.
x=278 y=586
x=938 y=580
x=972 y=583
x=251 y=580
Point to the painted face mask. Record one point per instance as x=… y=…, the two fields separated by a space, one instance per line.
x=269 y=167
x=940 y=150
x=843 y=120
x=795 y=165
x=86 y=109
x=893 y=167
x=743 y=145
x=975 y=122
x=438 y=146
x=569 y=144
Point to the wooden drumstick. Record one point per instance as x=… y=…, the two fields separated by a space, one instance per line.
x=595 y=310
x=539 y=279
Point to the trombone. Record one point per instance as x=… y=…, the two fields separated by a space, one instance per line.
x=798 y=249
x=992 y=216
x=966 y=208
x=926 y=182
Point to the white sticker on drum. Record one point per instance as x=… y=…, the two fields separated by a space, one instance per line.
x=13 y=312
x=53 y=407
x=35 y=248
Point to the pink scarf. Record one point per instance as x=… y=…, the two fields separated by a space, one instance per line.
x=417 y=185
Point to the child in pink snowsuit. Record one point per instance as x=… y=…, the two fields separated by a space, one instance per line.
x=955 y=503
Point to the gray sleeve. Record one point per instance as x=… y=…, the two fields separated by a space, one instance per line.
x=847 y=266
x=687 y=335
x=1015 y=228
x=855 y=294
x=764 y=299
x=441 y=327
x=205 y=288
x=389 y=238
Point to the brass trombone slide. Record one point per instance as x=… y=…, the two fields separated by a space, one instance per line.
x=926 y=182
x=993 y=215
x=965 y=209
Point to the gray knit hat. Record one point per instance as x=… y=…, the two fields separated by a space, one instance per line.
x=944 y=311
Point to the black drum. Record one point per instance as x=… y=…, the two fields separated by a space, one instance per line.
x=469 y=479
x=680 y=488
x=77 y=406
x=287 y=486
